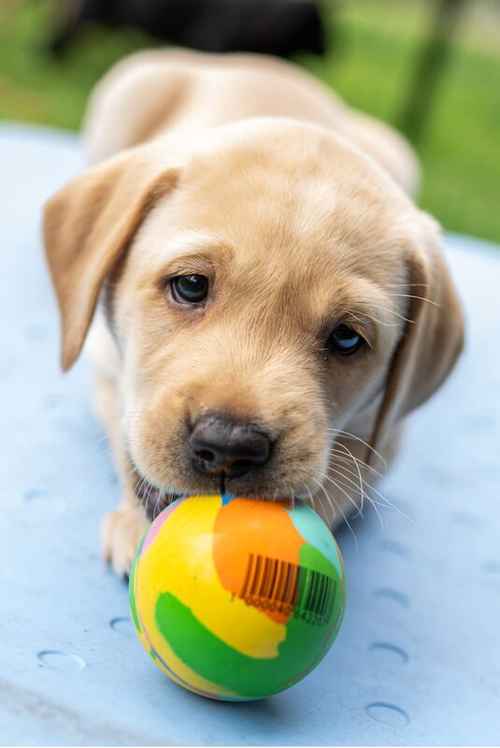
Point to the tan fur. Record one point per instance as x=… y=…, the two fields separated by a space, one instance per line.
x=247 y=170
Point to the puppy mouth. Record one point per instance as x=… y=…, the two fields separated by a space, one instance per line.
x=153 y=499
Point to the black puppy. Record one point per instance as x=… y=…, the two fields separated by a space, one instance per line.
x=279 y=27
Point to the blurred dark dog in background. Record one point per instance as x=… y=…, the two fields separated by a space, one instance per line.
x=278 y=27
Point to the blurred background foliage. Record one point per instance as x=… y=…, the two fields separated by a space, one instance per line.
x=375 y=49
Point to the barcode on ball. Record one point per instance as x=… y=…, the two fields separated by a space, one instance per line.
x=282 y=587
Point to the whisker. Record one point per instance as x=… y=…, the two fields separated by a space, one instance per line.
x=310 y=495
x=384 y=501
x=348 y=435
x=380 y=321
x=327 y=514
x=418 y=298
x=366 y=495
x=367 y=315
x=346 y=494
x=139 y=485
x=404 y=285
x=395 y=313
x=333 y=503
x=159 y=500
x=390 y=310
x=344 y=458
x=353 y=458
x=344 y=467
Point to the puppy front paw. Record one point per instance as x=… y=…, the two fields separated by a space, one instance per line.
x=121 y=531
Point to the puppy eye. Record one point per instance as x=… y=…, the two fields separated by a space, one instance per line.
x=189 y=289
x=345 y=341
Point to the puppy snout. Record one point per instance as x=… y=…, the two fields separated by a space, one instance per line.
x=221 y=446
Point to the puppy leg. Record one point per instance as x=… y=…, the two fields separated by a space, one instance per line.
x=122 y=528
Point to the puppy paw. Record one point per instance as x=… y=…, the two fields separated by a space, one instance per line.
x=121 y=531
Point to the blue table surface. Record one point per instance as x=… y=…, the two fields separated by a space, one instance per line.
x=418 y=657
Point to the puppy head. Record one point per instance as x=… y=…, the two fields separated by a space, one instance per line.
x=268 y=291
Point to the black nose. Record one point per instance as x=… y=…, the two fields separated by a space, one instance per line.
x=219 y=446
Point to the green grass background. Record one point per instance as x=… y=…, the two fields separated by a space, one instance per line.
x=371 y=68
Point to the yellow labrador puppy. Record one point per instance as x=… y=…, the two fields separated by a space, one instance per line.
x=263 y=301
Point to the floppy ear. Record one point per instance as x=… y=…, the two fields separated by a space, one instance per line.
x=432 y=340
x=87 y=227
